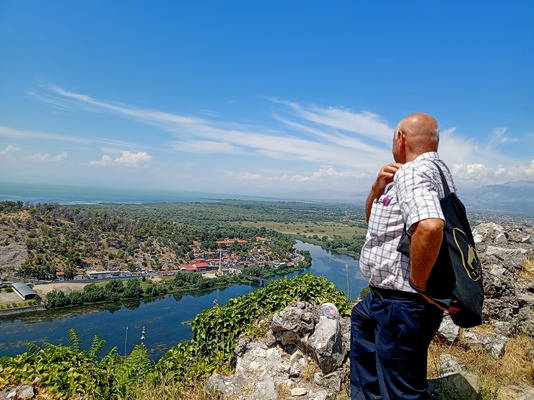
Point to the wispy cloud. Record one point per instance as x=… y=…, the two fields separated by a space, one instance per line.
x=324 y=173
x=336 y=130
x=126 y=159
x=46 y=157
x=339 y=144
x=9 y=132
x=9 y=150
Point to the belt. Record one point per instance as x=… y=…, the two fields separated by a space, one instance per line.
x=391 y=294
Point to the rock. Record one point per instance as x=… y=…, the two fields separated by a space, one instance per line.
x=12 y=256
x=298 y=318
x=487 y=232
x=25 y=392
x=454 y=383
x=512 y=257
x=500 y=238
x=492 y=342
x=326 y=343
x=302 y=335
x=516 y=392
x=448 y=330
x=297 y=364
x=298 y=392
x=331 y=381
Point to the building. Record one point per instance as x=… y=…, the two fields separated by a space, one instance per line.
x=24 y=290
x=188 y=268
x=100 y=274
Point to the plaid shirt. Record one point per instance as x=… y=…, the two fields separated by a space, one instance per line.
x=412 y=197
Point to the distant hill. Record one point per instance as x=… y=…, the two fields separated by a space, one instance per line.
x=514 y=197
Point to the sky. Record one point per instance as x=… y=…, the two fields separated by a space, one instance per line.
x=267 y=98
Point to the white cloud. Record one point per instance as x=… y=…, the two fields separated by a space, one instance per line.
x=127 y=159
x=323 y=173
x=250 y=176
x=337 y=145
x=206 y=147
x=9 y=150
x=46 y=157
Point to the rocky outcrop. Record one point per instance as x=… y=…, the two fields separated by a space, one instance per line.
x=11 y=257
x=305 y=353
x=507 y=256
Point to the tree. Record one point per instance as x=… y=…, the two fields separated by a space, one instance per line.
x=133 y=289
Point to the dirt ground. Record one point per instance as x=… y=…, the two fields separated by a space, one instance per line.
x=9 y=297
x=65 y=287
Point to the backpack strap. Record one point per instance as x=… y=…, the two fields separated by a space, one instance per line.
x=446 y=188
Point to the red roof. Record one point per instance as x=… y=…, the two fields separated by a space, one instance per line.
x=231 y=241
x=201 y=264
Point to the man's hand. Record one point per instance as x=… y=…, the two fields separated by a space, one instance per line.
x=385 y=176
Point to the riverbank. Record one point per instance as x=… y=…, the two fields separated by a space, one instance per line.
x=21 y=310
x=162 y=317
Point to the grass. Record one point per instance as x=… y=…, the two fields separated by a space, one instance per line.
x=514 y=368
x=527 y=270
x=320 y=229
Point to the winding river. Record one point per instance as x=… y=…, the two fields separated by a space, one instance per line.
x=166 y=320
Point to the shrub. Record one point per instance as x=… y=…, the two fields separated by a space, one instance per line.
x=216 y=331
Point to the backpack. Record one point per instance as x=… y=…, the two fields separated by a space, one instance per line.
x=457 y=273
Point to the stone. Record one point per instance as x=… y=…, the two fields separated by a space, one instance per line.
x=298 y=392
x=325 y=342
x=516 y=392
x=330 y=381
x=25 y=392
x=500 y=238
x=297 y=364
x=297 y=318
x=458 y=385
x=448 y=330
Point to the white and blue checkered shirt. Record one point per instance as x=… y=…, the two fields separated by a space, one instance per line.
x=412 y=197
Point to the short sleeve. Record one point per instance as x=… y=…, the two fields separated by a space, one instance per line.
x=418 y=194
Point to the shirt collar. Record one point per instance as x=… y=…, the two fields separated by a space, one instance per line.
x=428 y=155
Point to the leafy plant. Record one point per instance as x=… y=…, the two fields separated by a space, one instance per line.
x=216 y=331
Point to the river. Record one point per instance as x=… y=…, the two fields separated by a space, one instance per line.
x=166 y=320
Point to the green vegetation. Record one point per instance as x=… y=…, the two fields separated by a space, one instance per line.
x=113 y=291
x=335 y=227
x=68 y=371
x=73 y=239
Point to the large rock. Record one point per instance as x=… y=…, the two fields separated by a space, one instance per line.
x=326 y=344
x=300 y=337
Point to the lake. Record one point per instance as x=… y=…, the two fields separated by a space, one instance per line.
x=166 y=320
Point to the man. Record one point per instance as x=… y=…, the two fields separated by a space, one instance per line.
x=393 y=326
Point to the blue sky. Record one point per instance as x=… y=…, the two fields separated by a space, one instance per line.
x=260 y=97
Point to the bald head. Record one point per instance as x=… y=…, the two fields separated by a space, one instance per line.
x=420 y=134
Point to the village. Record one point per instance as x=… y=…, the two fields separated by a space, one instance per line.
x=210 y=264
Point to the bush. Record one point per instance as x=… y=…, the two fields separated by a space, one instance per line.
x=216 y=331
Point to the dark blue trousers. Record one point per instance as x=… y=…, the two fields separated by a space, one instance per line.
x=389 y=347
